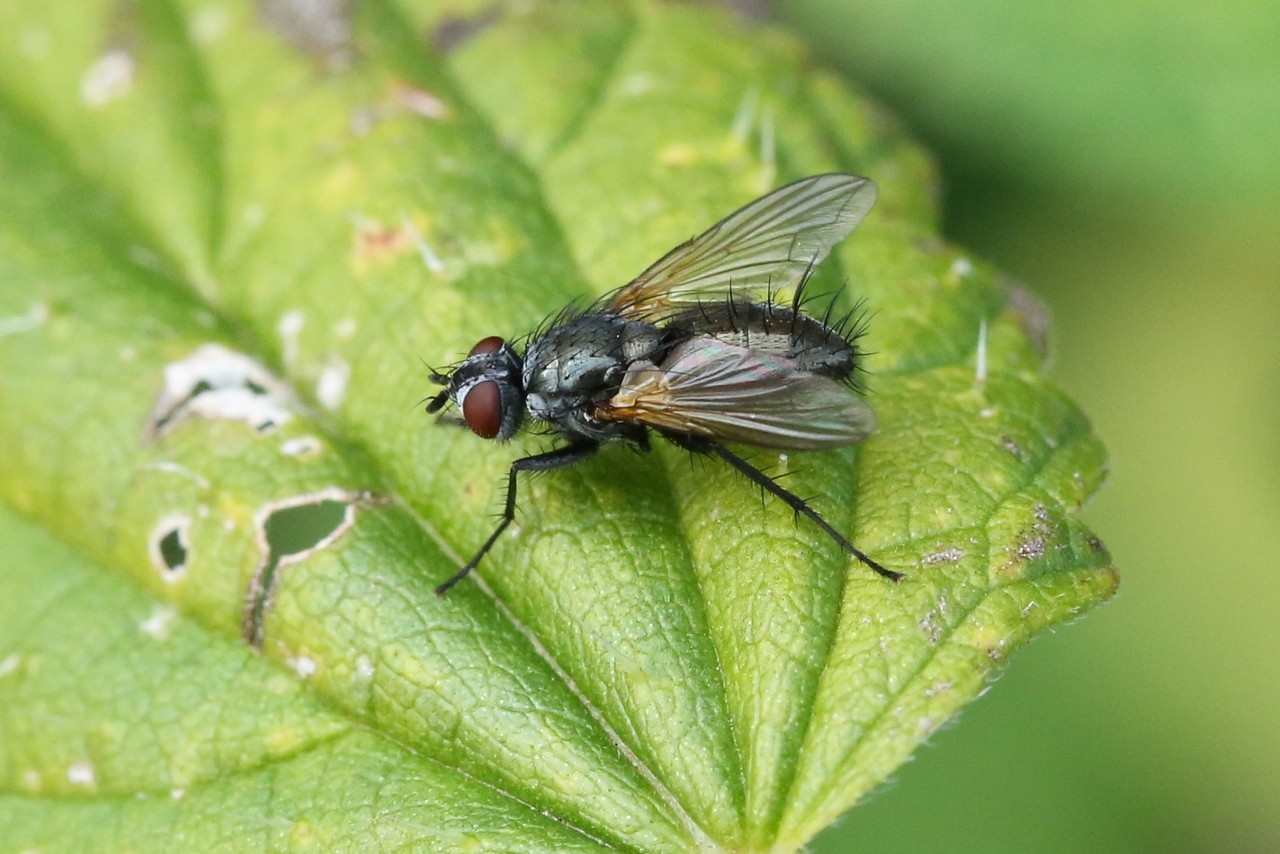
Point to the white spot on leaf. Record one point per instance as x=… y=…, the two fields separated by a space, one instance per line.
x=331 y=387
x=980 y=369
x=950 y=555
x=32 y=320
x=636 y=83
x=208 y=25
x=180 y=470
x=300 y=446
x=107 y=79
x=302 y=665
x=345 y=328
x=218 y=383
x=81 y=773
x=289 y=327
x=158 y=624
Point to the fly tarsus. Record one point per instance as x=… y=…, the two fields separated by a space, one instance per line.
x=555 y=459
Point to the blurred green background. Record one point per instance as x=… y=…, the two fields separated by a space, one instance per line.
x=1120 y=158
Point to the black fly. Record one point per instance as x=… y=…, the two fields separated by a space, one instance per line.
x=686 y=350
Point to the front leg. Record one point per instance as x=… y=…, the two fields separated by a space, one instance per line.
x=556 y=459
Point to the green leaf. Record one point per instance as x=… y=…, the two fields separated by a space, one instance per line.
x=227 y=238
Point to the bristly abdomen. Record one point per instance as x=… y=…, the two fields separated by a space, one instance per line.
x=769 y=327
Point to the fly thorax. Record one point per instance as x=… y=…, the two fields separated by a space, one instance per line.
x=578 y=363
x=540 y=407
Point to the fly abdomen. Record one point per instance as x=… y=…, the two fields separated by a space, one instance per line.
x=775 y=329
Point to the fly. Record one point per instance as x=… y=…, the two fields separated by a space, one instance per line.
x=696 y=349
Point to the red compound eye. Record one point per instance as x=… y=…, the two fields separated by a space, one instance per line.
x=482 y=406
x=487 y=345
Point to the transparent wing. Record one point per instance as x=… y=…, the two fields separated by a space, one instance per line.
x=710 y=388
x=767 y=245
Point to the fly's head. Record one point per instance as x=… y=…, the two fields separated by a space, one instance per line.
x=487 y=389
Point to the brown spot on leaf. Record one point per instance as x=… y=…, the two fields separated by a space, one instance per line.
x=375 y=242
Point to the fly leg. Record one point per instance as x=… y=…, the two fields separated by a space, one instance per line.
x=559 y=458
x=795 y=502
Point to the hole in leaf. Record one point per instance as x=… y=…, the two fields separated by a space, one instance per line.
x=173 y=550
x=297 y=529
x=288 y=532
x=170 y=546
